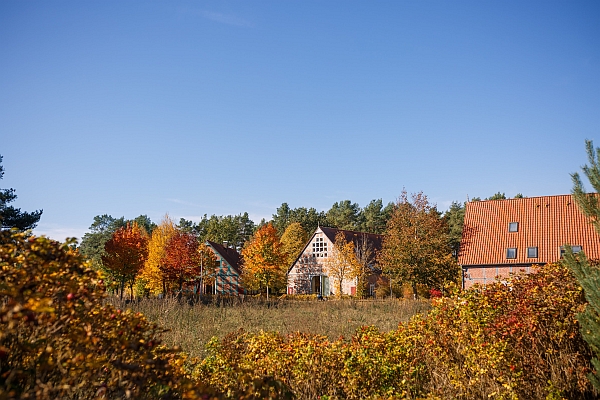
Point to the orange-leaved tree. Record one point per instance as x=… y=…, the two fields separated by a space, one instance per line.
x=416 y=247
x=126 y=253
x=181 y=262
x=152 y=272
x=342 y=264
x=264 y=259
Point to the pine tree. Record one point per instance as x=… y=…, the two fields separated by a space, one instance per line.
x=587 y=273
x=11 y=217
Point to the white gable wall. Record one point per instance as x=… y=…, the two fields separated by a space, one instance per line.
x=308 y=275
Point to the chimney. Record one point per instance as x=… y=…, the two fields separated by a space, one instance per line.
x=226 y=243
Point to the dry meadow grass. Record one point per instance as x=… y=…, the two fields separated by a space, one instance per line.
x=191 y=326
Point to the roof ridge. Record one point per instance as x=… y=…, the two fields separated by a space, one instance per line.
x=349 y=230
x=523 y=198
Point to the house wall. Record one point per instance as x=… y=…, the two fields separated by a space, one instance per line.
x=485 y=274
x=312 y=263
x=227 y=279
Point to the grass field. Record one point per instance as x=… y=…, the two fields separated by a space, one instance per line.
x=191 y=326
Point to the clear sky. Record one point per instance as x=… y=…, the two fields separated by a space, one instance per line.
x=222 y=107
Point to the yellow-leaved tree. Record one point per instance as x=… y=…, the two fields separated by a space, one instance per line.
x=208 y=268
x=156 y=281
x=293 y=241
x=264 y=260
x=342 y=263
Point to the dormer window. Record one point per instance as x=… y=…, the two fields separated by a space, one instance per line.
x=513 y=227
x=576 y=249
x=511 y=253
x=532 y=252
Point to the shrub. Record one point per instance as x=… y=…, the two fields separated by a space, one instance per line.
x=514 y=340
x=57 y=340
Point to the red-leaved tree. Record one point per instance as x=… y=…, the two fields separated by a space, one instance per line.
x=181 y=260
x=126 y=253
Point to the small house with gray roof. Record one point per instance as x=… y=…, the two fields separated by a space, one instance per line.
x=228 y=271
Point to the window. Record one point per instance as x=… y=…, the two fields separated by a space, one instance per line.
x=532 y=252
x=513 y=227
x=511 y=252
x=576 y=249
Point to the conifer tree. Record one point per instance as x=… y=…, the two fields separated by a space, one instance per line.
x=11 y=217
x=586 y=272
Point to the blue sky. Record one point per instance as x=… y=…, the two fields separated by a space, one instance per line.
x=222 y=107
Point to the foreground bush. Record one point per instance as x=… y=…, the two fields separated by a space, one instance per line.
x=519 y=340
x=58 y=341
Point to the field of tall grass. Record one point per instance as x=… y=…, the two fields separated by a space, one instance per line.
x=191 y=326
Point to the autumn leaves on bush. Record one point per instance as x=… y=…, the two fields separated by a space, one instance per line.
x=58 y=340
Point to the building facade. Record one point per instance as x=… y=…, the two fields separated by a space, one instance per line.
x=309 y=275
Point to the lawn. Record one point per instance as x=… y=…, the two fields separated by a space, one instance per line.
x=191 y=326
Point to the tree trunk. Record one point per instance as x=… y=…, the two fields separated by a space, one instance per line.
x=415 y=293
x=267 y=292
x=122 y=287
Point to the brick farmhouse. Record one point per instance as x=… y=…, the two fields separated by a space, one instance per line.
x=507 y=236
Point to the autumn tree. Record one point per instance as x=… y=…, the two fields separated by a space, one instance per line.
x=181 y=261
x=265 y=259
x=366 y=257
x=208 y=267
x=416 y=248
x=342 y=264
x=126 y=253
x=11 y=217
x=156 y=280
x=293 y=241
x=587 y=272
x=100 y=232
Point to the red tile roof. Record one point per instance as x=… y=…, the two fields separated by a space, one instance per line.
x=546 y=222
